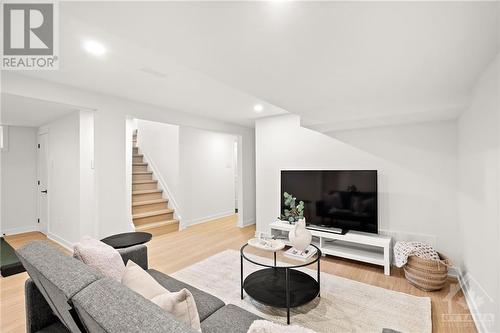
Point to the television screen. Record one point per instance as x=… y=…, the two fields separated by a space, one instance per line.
x=343 y=199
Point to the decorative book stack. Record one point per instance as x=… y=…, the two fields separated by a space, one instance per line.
x=293 y=253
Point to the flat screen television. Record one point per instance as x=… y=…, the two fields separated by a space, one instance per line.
x=335 y=200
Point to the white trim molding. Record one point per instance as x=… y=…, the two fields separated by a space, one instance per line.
x=61 y=241
x=246 y=223
x=470 y=299
x=200 y=220
x=172 y=203
x=20 y=230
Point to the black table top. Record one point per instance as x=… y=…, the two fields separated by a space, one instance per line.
x=127 y=239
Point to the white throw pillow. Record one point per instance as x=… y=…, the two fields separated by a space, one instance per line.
x=181 y=305
x=264 y=326
x=141 y=282
x=101 y=256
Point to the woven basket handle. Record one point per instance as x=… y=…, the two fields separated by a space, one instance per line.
x=445 y=262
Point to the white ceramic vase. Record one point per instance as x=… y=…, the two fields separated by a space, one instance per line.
x=299 y=236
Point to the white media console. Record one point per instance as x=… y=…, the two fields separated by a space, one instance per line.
x=360 y=246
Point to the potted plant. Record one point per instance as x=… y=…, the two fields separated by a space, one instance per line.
x=299 y=236
x=293 y=213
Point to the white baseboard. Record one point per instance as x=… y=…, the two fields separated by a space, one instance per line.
x=471 y=303
x=172 y=203
x=187 y=223
x=61 y=241
x=246 y=223
x=20 y=230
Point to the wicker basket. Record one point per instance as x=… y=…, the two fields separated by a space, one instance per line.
x=428 y=275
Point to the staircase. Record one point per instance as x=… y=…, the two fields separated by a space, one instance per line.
x=150 y=211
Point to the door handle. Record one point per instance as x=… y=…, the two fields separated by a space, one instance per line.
x=44 y=191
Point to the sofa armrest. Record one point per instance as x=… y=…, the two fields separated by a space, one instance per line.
x=38 y=312
x=136 y=253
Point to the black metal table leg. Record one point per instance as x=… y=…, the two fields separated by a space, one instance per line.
x=241 y=276
x=287 y=290
x=274 y=259
x=319 y=282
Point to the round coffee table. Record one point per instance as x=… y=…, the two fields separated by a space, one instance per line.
x=279 y=284
x=127 y=239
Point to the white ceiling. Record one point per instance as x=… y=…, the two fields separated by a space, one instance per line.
x=330 y=62
x=24 y=111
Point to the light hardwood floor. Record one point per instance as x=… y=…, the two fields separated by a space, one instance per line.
x=171 y=252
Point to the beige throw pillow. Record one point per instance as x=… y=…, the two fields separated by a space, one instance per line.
x=101 y=256
x=141 y=282
x=181 y=304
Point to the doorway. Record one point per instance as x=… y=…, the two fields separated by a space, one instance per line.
x=42 y=182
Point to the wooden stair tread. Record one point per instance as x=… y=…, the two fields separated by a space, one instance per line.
x=142 y=172
x=138 y=155
x=154 y=213
x=144 y=181
x=147 y=191
x=139 y=164
x=145 y=227
x=148 y=202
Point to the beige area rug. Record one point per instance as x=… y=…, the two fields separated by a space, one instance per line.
x=344 y=306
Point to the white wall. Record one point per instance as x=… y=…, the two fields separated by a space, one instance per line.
x=71 y=177
x=112 y=144
x=416 y=164
x=160 y=143
x=87 y=174
x=479 y=196
x=112 y=194
x=196 y=166
x=64 y=178
x=18 y=173
x=206 y=171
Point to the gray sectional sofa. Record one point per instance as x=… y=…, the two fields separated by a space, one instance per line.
x=65 y=295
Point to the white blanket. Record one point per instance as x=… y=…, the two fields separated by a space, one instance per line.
x=402 y=250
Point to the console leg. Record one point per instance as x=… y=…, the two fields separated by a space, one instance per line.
x=319 y=273
x=287 y=291
x=241 y=276
x=274 y=259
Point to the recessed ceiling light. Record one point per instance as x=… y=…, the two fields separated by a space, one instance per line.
x=93 y=47
x=258 y=108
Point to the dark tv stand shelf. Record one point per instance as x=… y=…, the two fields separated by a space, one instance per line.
x=332 y=231
x=360 y=246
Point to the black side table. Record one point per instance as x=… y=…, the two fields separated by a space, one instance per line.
x=282 y=285
x=127 y=239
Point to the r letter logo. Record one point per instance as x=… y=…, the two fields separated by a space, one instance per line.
x=29 y=36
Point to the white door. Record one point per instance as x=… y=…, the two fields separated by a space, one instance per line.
x=43 y=191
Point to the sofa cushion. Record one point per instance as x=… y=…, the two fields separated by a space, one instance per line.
x=138 y=280
x=108 y=306
x=206 y=303
x=229 y=318
x=58 y=277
